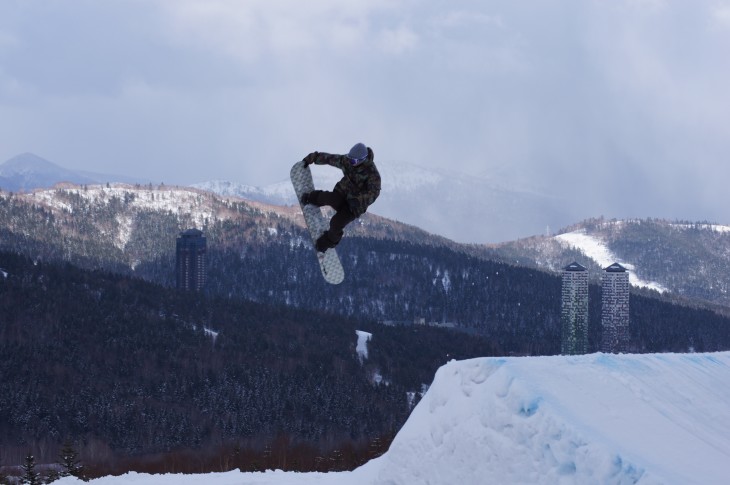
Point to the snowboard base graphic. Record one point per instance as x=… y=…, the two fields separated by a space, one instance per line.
x=317 y=223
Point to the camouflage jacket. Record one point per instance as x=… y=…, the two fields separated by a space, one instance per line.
x=360 y=184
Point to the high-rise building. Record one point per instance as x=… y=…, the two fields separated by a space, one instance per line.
x=574 y=312
x=190 y=265
x=615 y=309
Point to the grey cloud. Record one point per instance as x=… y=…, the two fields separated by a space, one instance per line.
x=624 y=102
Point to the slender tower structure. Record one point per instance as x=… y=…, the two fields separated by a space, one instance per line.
x=574 y=312
x=615 y=309
x=190 y=265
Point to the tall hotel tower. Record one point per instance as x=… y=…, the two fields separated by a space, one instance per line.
x=574 y=313
x=190 y=265
x=615 y=309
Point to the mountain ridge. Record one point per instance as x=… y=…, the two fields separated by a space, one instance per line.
x=687 y=259
x=465 y=208
x=28 y=171
x=449 y=203
x=658 y=253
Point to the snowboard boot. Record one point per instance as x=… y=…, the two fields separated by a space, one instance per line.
x=310 y=197
x=324 y=243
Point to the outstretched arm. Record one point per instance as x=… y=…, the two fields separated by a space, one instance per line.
x=321 y=158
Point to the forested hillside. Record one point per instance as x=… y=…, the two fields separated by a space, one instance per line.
x=691 y=260
x=261 y=253
x=123 y=367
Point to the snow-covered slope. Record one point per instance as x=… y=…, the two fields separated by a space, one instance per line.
x=198 y=205
x=596 y=249
x=685 y=259
x=589 y=419
x=608 y=419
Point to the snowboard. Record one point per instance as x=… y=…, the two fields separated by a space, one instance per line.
x=317 y=223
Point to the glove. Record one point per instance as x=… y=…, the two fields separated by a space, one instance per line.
x=309 y=159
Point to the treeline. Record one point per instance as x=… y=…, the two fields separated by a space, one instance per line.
x=279 y=454
x=30 y=473
x=517 y=309
x=263 y=257
x=689 y=257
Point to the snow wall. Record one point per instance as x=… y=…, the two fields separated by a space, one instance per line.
x=662 y=418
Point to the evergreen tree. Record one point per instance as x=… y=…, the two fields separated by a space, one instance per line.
x=52 y=476
x=30 y=476
x=69 y=459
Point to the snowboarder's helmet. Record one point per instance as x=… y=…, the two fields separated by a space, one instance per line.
x=358 y=153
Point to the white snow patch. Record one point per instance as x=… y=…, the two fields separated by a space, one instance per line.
x=446 y=281
x=362 y=344
x=4 y=273
x=179 y=201
x=597 y=250
x=711 y=227
x=211 y=333
x=411 y=396
x=600 y=418
x=125 y=231
x=48 y=198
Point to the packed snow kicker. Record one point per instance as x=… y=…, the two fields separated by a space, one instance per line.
x=609 y=419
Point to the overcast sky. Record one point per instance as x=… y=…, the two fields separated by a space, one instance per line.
x=625 y=101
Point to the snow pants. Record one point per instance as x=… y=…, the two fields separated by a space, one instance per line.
x=342 y=216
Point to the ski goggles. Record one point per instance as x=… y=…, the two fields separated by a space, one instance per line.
x=356 y=161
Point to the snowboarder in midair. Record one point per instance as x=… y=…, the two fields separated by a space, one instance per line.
x=352 y=195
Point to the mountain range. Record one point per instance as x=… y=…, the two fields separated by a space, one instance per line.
x=464 y=208
x=689 y=260
x=27 y=171
x=682 y=258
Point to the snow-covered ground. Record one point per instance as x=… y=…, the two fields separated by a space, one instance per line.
x=597 y=250
x=710 y=227
x=362 y=344
x=165 y=199
x=607 y=419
